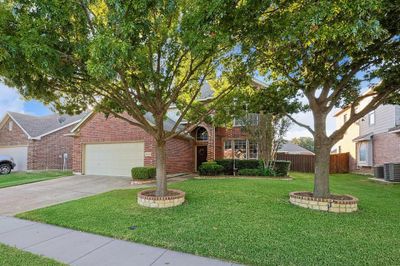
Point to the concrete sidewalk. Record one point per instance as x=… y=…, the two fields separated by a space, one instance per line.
x=78 y=248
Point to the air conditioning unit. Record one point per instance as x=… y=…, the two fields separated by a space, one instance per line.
x=379 y=171
x=392 y=172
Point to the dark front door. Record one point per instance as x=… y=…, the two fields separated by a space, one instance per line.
x=201 y=155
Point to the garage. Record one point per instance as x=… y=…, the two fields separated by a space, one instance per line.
x=113 y=159
x=20 y=155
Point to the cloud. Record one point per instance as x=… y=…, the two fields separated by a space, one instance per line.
x=10 y=100
x=307 y=118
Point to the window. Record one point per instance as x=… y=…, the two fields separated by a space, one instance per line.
x=250 y=119
x=201 y=134
x=371 y=118
x=240 y=149
x=345 y=118
x=238 y=122
x=363 y=152
x=10 y=125
x=228 y=151
x=253 y=150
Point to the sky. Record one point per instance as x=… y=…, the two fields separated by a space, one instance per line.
x=11 y=100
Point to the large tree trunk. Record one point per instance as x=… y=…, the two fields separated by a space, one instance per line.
x=161 y=169
x=321 y=179
x=322 y=156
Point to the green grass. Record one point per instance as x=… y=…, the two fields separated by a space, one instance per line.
x=12 y=257
x=249 y=221
x=20 y=178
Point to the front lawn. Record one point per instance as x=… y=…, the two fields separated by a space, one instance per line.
x=249 y=221
x=12 y=256
x=19 y=178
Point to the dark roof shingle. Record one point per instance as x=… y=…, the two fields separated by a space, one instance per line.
x=37 y=126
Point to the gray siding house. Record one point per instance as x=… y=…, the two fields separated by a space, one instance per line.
x=379 y=137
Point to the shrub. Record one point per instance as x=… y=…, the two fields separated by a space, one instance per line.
x=249 y=164
x=240 y=164
x=210 y=168
x=281 y=167
x=250 y=172
x=227 y=164
x=269 y=172
x=143 y=172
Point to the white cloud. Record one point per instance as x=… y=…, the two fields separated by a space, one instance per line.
x=10 y=100
x=307 y=118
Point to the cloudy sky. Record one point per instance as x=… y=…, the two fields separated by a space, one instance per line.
x=10 y=100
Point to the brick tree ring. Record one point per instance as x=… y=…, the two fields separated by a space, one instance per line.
x=336 y=203
x=149 y=199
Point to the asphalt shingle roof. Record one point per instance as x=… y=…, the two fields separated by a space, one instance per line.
x=37 y=126
x=293 y=148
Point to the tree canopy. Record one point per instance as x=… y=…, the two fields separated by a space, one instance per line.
x=326 y=51
x=122 y=58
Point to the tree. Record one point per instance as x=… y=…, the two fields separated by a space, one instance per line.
x=305 y=142
x=261 y=111
x=128 y=59
x=324 y=51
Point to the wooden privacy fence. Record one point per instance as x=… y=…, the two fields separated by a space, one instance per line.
x=339 y=163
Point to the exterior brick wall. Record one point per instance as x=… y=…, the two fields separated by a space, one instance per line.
x=14 y=137
x=99 y=129
x=223 y=134
x=386 y=148
x=47 y=153
x=43 y=154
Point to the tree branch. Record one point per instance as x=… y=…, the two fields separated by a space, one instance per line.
x=301 y=124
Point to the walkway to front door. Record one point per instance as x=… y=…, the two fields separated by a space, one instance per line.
x=201 y=155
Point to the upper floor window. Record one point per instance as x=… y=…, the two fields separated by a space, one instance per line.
x=371 y=118
x=201 y=134
x=250 y=119
x=10 y=125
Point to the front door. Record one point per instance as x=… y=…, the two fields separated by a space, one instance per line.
x=201 y=155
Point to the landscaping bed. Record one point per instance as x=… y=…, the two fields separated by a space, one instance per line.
x=20 y=178
x=249 y=221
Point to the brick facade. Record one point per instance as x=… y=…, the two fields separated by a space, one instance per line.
x=386 y=148
x=47 y=153
x=15 y=137
x=44 y=154
x=99 y=129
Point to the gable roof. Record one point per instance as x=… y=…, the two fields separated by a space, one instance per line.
x=294 y=149
x=36 y=127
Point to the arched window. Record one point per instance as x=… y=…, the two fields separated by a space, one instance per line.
x=201 y=134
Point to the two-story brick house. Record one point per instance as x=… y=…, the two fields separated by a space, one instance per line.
x=374 y=139
x=111 y=146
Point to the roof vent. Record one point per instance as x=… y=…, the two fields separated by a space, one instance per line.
x=61 y=119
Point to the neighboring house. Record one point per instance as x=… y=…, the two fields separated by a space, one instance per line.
x=291 y=148
x=346 y=144
x=38 y=143
x=374 y=139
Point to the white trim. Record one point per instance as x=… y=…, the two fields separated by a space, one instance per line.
x=82 y=121
x=55 y=130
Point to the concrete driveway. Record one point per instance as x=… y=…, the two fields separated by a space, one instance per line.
x=28 y=197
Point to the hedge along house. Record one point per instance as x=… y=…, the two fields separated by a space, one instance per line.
x=38 y=143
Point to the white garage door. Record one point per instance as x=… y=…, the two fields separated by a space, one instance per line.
x=20 y=155
x=116 y=159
